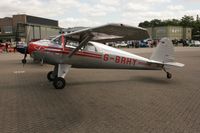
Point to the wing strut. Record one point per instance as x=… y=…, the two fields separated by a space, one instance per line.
x=85 y=40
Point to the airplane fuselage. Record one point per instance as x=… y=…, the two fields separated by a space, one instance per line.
x=103 y=57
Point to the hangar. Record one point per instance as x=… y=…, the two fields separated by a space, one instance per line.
x=172 y=32
x=25 y=28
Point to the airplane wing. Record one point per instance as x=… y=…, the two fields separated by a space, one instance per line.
x=110 y=33
x=106 y=33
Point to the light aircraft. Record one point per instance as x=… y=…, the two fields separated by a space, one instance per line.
x=85 y=49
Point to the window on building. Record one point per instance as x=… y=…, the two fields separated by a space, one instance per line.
x=7 y=29
x=176 y=30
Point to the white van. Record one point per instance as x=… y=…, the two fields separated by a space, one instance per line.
x=195 y=43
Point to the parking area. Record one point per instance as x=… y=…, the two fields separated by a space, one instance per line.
x=101 y=101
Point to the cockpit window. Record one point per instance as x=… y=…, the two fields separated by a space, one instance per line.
x=90 y=47
x=73 y=44
x=68 y=43
x=57 y=41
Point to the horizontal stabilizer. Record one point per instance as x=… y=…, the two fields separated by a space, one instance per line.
x=176 y=64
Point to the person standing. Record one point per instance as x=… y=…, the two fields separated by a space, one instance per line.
x=7 y=47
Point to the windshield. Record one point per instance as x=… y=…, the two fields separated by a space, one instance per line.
x=68 y=43
x=90 y=47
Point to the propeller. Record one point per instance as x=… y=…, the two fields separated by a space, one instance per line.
x=26 y=48
x=25 y=55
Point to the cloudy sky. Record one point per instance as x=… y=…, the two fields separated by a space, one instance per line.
x=72 y=13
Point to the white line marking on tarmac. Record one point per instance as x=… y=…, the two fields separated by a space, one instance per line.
x=18 y=72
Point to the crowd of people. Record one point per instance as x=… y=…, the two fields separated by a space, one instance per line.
x=135 y=44
x=7 y=47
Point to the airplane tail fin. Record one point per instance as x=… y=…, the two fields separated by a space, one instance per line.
x=164 y=53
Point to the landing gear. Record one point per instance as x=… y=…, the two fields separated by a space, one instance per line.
x=51 y=76
x=58 y=75
x=23 y=61
x=59 y=83
x=169 y=75
x=41 y=62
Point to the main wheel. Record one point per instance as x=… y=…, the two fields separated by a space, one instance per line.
x=41 y=62
x=51 y=76
x=169 y=75
x=59 y=83
x=24 y=61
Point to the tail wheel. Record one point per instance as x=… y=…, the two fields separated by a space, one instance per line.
x=51 y=76
x=169 y=75
x=59 y=83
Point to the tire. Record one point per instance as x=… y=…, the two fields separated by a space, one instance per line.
x=59 y=83
x=50 y=76
x=169 y=75
x=23 y=61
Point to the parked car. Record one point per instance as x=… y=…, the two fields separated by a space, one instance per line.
x=21 y=47
x=185 y=43
x=143 y=44
x=195 y=43
x=2 y=47
x=175 y=42
x=122 y=44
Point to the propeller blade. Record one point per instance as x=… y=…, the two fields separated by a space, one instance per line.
x=26 y=49
x=25 y=55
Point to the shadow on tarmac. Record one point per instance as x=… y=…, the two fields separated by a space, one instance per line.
x=138 y=79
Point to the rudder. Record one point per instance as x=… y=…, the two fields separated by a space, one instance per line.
x=164 y=51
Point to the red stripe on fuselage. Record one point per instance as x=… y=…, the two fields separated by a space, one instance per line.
x=34 y=47
x=67 y=51
x=77 y=53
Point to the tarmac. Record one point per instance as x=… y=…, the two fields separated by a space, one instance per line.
x=101 y=101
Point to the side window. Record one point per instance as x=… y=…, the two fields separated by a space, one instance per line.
x=72 y=43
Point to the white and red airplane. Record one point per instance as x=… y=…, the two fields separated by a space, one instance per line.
x=82 y=49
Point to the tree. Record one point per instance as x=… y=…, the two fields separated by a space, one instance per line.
x=175 y=22
x=196 y=30
x=145 y=24
x=156 y=22
x=187 y=21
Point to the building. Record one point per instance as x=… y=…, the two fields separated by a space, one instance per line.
x=25 y=28
x=172 y=32
x=6 y=29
